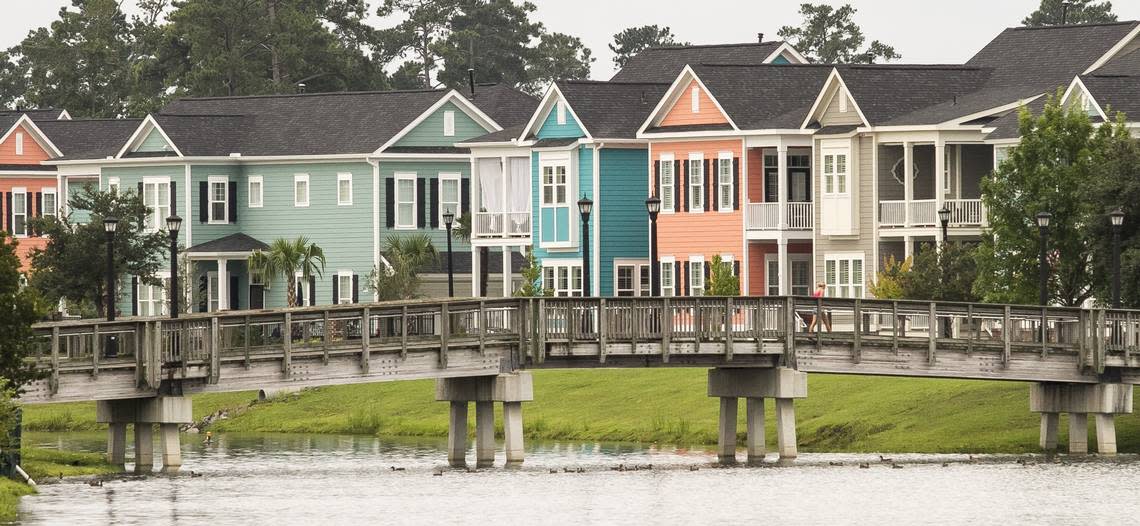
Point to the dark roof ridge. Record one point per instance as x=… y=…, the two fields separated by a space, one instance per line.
x=949 y=67
x=321 y=94
x=163 y=114
x=1109 y=75
x=809 y=65
x=96 y=119
x=612 y=82
x=693 y=46
x=1070 y=26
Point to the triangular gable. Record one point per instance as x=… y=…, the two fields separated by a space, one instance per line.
x=786 y=54
x=1078 y=93
x=544 y=122
x=36 y=146
x=415 y=134
x=829 y=105
x=149 y=137
x=676 y=107
x=431 y=131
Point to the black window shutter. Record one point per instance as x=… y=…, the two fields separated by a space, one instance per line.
x=336 y=289
x=173 y=198
x=233 y=201
x=134 y=295
x=142 y=218
x=39 y=211
x=684 y=197
x=421 y=203
x=356 y=288
x=736 y=183
x=434 y=222
x=312 y=290
x=709 y=181
x=465 y=196
x=390 y=202
x=708 y=271
x=203 y=202
x=234 y=292
x=657 y=179
x=715 y=186
x=736 y=268
x=8 y=213
x=677 y=277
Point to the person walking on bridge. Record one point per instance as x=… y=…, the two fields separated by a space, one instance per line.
x=820 y=288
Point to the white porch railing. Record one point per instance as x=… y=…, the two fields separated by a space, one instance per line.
x=491 y=225
x=892 y=213
x=924 y=213
x=766 y=216
x=966 y=212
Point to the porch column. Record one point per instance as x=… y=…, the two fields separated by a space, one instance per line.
x=908 y=247
x=908 y=179
x=782 y=188
x=507 y=272
x=939 y=179
x=782 y=265
x=475 y=292
x=223 y=286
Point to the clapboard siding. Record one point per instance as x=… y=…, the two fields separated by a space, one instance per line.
x=550 y=128
x=585 y=187
x=423 y=170
x=32 y=152
x=623 y=223
x=154 y=142
x=682 y=114
x=832 y=116
x=430 y=131
x=864 y=242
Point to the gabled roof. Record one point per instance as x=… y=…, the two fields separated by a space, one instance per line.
x=885 y=92
x=24 y=121
x=611 y=110
x=238 y=242
x=38 y=115
x=1114 y=93
x=764 y=96
x=503 y=136
x=508 y=106
x=663 y=64
x=1045 y=58
x=1124 y=64
x=89 y=138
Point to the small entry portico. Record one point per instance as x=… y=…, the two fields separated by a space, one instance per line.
x=217 y=282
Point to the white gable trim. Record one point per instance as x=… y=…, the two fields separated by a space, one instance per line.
x=553 y=96
x=787 y=48
x=1114 y=50
x=140 y=134
x=674 y=94
x=465 y=105
x=37 y=135
x=64 y=116
x=834 y=83
x=1076 y=84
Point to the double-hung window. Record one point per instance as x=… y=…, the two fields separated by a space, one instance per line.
x=152 y=298
x=448 y=196
x=344 y=287
x=344 y=189
x=724 y=181
x=631 y=278
x=563 y=278
x=668 y=184
x=301 y=190
x=51 y=203
x=844 y=275
x=696 y=183
x=405 y=200
x=256 y=191
x=156 y=197
x=302 y=289
x=555 y=185
x=20 y=212
x=219 y=199
x=668 y=283
x=696 y=275
x=113 y=185
x=835 y=173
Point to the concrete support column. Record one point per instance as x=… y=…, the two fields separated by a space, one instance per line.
x=1050 y=424
x=726 y=437
x=144 y=447
x=513 y=432
x=1078 y=434
x=224 y=286
x=171 y=448
x=457 y=435
x=754 y=410
x=1106 y=434
x=484 y=434
x=786 y=430
x=117 y=444
x=784 y=278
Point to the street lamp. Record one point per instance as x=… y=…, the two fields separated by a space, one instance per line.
x=173 y=224
x=585 y=205
x=110 y=224
x=653 y=206
x=1043 y=228
x=448 y=218
x=1116 y=218
x=944 y=218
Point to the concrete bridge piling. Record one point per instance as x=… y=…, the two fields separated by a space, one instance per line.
x=754 y=385
x=1104 y=401
x=168 y=412
x=509 y=389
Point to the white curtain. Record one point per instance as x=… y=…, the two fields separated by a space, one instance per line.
x=519 y=190
x=490 y=185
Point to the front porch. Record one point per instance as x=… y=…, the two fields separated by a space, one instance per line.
x=779 y=268
x=502 y=201
x=220 y=278
x=915 y=181
x=779 y=192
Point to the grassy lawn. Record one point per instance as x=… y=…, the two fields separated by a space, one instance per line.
x=841 y=413
x=10 y=493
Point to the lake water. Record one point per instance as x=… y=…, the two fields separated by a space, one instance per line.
x=318 y=480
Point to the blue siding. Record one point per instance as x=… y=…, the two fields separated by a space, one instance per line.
x=780 y=60
x=585 y=182
x=624 y=226
x=550 y=128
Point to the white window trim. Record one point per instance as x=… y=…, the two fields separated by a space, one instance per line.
x=159 y=219
x=164 y=302
x=113 y=185
x=695 y=99
x=569 y=265
x=560 y=112
x=458 y=178
x=842 y=101
x=721 y=158
x=19 y=143
x=308 y=190
x=670 y=289
x=449 y=123
x=699 y=261
x=340 y=177
x=54 y=210
x=700 y=157
x=666 y=206
x=341 y=299
x=406 y=176
x=833 y=190
x=24 y=191
x=302 y=289
x=639 y=266
x=554 y=160
x=260 y=191
x=210 y=182
x=845 y=256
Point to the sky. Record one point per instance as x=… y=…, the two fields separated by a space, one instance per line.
x=922 y=31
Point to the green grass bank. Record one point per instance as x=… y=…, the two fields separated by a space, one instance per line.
x=666 y=406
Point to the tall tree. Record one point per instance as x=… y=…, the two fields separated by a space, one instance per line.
x=1118 y=186
x=495 y=37
x=557 y=56
x=285 y=259
x=1057 y=12
x=829 y=35
x=19 y=308
x=633 y=40
x=72 y=265
x=426 y=24
x=1053 y=169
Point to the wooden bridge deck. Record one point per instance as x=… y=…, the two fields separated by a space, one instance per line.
x=291 y=348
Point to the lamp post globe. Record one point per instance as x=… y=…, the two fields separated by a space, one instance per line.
x=110 y=225
x=1043 y=219
x=585 y=206
x=653 y=206
x=1116 y=219
x=448 y=220
x=173 y=225
x=944 y=219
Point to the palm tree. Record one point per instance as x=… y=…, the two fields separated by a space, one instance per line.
x=463 y=232
x=286 y=258
x=405 y=256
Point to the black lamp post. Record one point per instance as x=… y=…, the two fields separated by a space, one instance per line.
x=110 y=224
x=944 y=218
x=1043 y=228
x=1117 y=220
x=585 y=206
x=653 y=206
x=173 y=225
x=448 y=218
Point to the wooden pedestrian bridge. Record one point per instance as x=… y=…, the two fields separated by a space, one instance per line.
x=480 y=350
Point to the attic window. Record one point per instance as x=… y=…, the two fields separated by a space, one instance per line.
x=449 y=123
x=842 y=101
x=560 y=113
x=695 y=93
x=19 y=143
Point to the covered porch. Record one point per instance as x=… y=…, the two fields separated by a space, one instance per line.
x=916 y=180
x=779 y=188
x=502 y=200
x=780 y=268
x=220 y=276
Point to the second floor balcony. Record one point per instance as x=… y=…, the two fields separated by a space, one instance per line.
x=780 y=216
x=500 y=225
x=924 y=213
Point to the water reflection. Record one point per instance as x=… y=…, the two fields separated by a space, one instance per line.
x=321 y=479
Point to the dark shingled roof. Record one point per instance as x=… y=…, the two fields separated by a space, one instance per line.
x=506 y=105
x=837 y=130
x=37 y=115
x=1116 y=93
x=663 y=64
x=887 y=91
x=555 y=142
x=1126 y=64
x=1045 y=58
x=506 y=135
x=89 y=138
x=682 y=128
x=462 y=261
x=764 y=96
x=238 y=242
x=611 y=110
x=27 y=167
x=428 y=149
